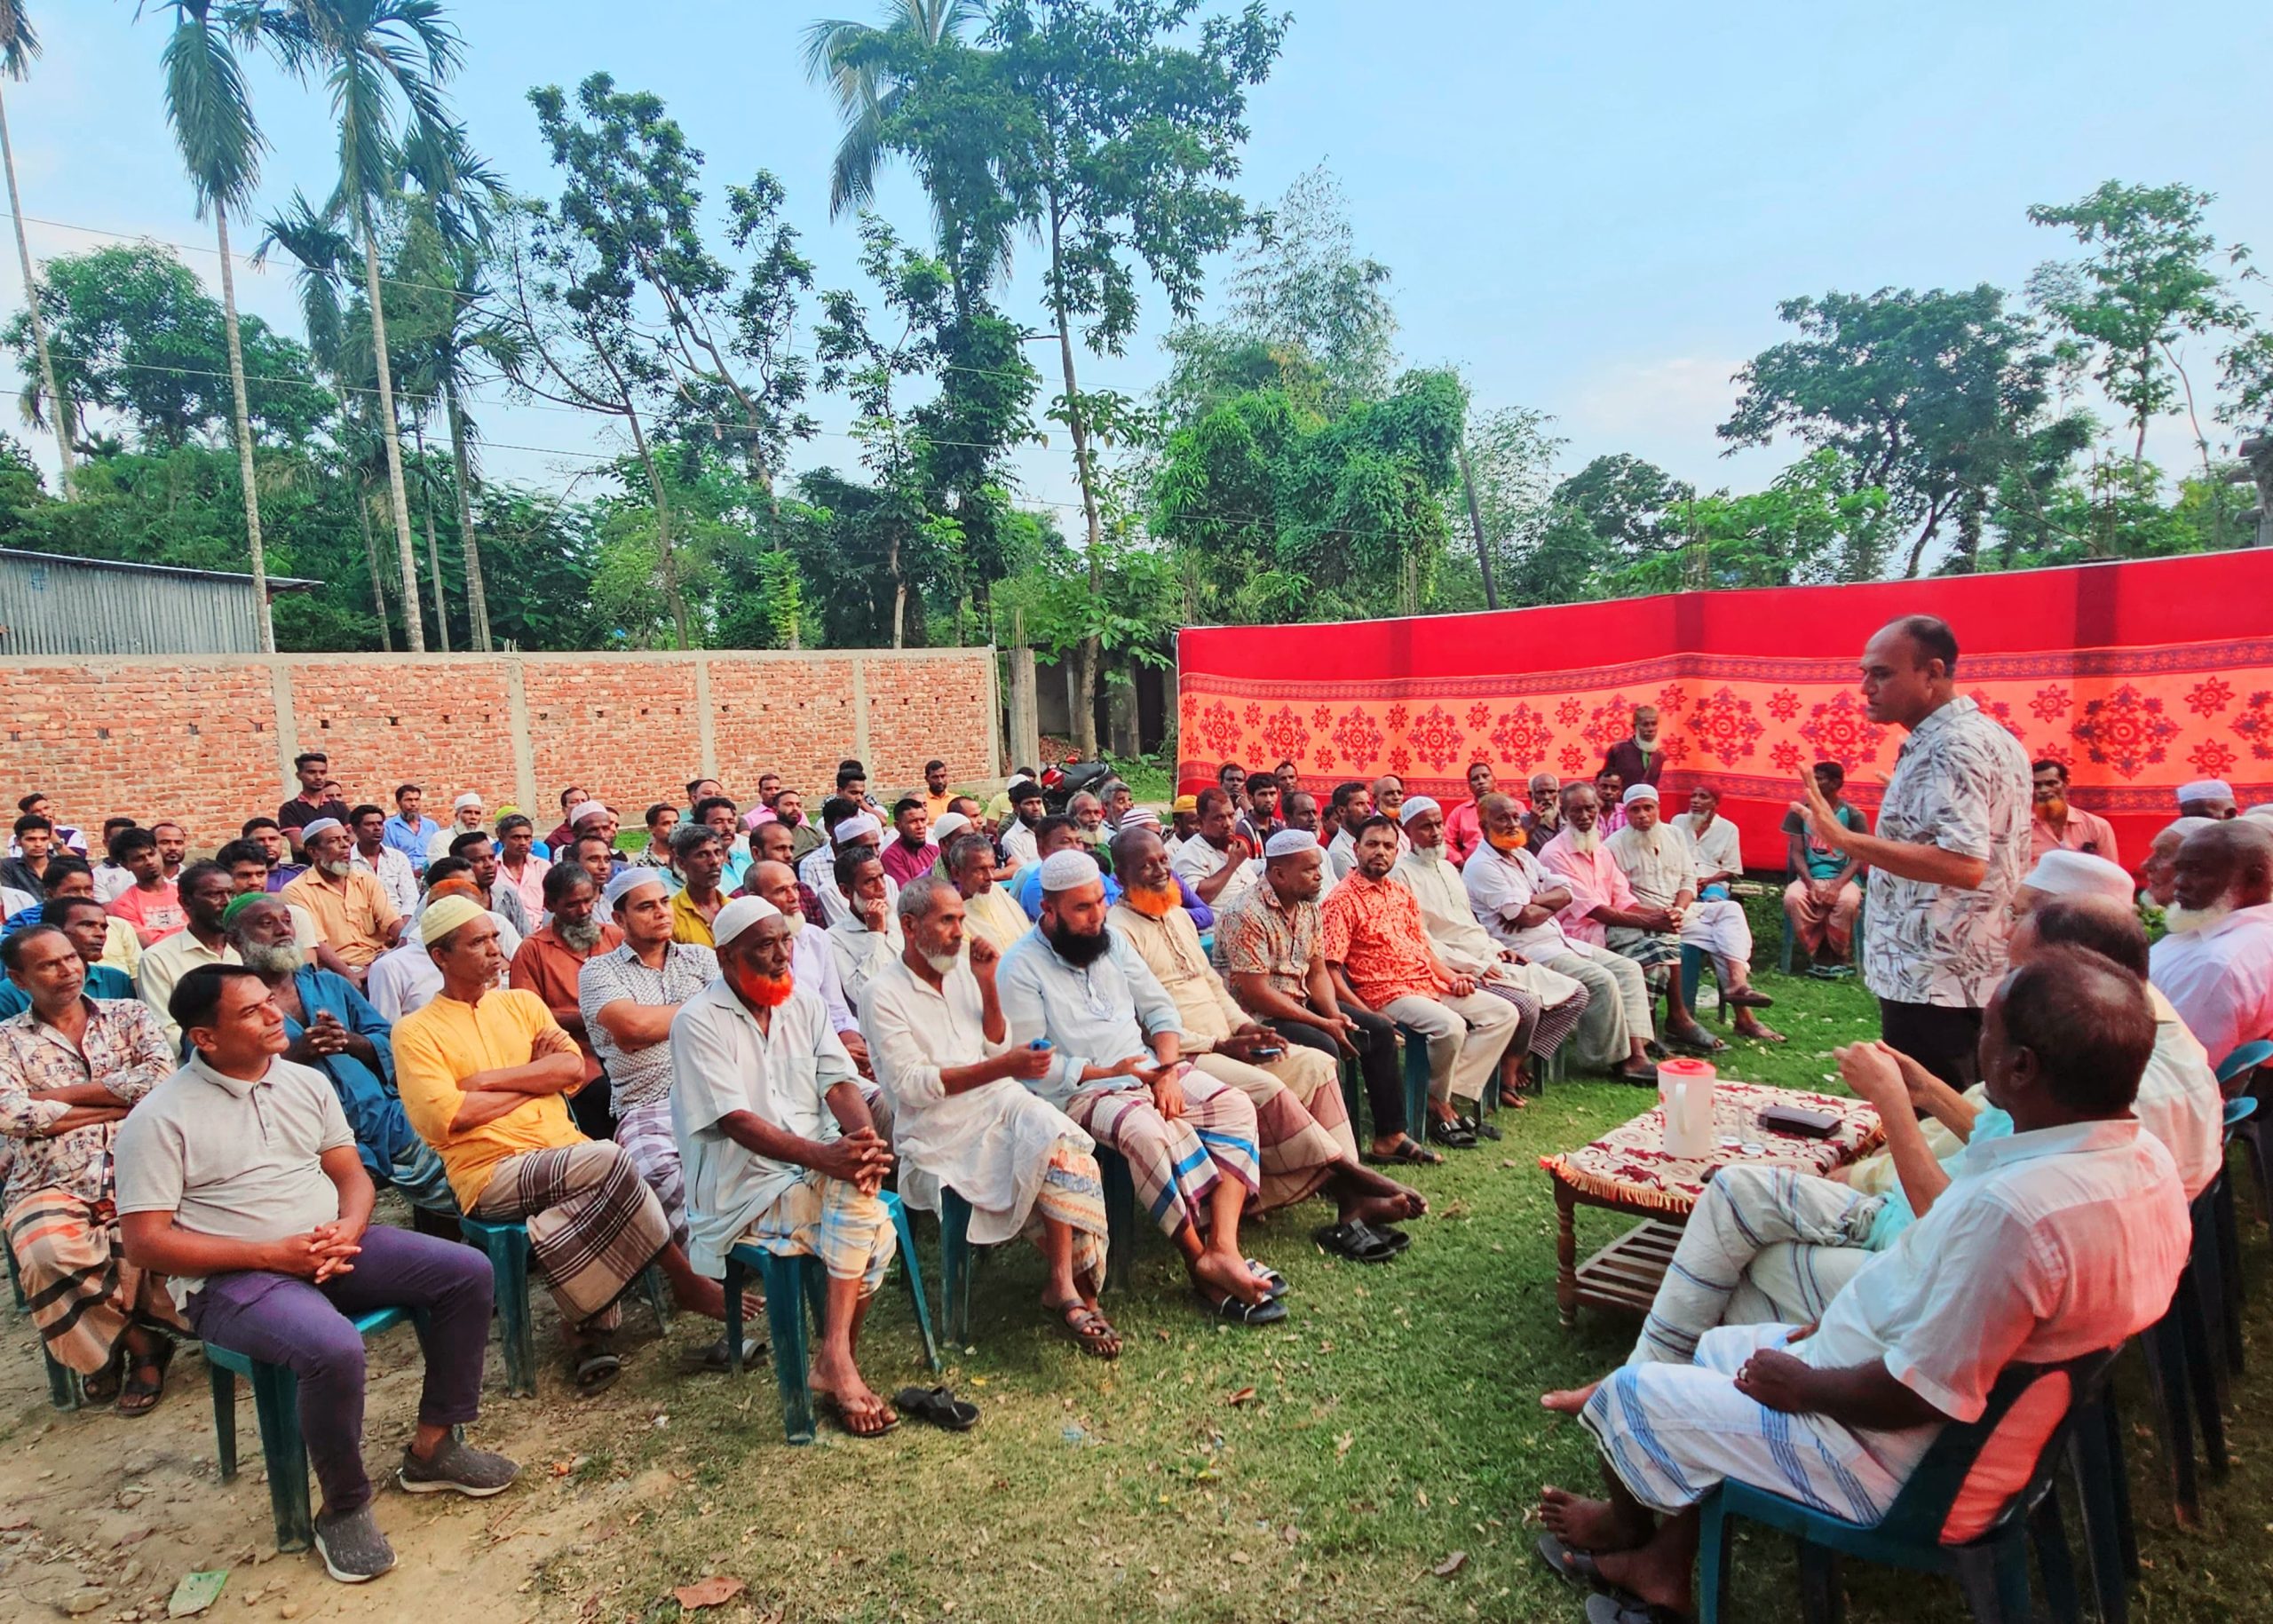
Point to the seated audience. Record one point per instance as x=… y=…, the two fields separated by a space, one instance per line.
x=267 y=835
x=557 y=842
x=777 y=1146
x=1663 y=871
x=1389 y=799
x=518 y=865
x=1119 y=801
x=551 y=963
x=702 y=871
x=1302 y=812
x=405 y=978
x=410 y=831
x=87 y=924
x=151 y=903
x=911 y=850
x=1377 y=951
x=935 y=796
x=989 y=913
x=866 y=937
x=332 y=1029
x=2061 y=1240
x=2160 y=870
x=1638 y=758
x=661 y=821
x=859 y=833
x=1610 y=802
x=1720 y=849
x=72 y=1068
x=382 y=861
x=1465 y=823
x=1548 y=1004
x=26 y=870
x=483 y=1074
x=1301 y=1127
x=478 y=850
x=2215 y=964
x=1018 y=833
x=206 y=890
x=173 y=847
x=1544 y=820
x=316 y=798
x=68 y=877
x=353 y=913
x=239 y=1180
x=1117 y=1069
x=629 y=993
x=812 y=958
x=1351 y=803
x=1521 y=904
x=2207 y=797
x=1054 y=834
x=1184 y=820
x=467 y=815
x=66 y=838
x=967 y=1123
x=1825 y=891
x=804 y=839
x=596 y=854
x=250 y=869
x=717 y=813
x=1262 y=820
x=1217 y=860
x=2055 y=825
x=110 y=877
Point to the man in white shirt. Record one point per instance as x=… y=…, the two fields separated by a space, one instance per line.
x=867 y=937
x=812 y=960
x=465 y=816
x=1517 y=901
x=776 y=1144
x=1720 y=849
x=405 y=980
x=1217 y=861
x=1661 y=865
x=390 y=867
x=2216 y=964
x=967 y=1122
x=2056 y=1243
x=1018 y=832
x=860 y=832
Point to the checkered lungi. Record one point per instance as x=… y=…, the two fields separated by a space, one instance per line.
x=1300 y=1137
x=593 y=1225
x=1072 y=1194
x=1658 y=953
x=1176 y=1164
x=829 y=1218
x=85 y=1295
x=644 y=1134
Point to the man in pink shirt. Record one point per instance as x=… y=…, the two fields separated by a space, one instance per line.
x=2055 y=825
x=1602 y=901
x=911 y=851
x=152 y=905
x=1463 y=832
x=517 y=861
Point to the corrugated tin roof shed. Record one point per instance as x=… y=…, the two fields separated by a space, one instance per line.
x=53 y=604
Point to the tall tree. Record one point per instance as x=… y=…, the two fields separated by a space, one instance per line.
x=2151 y=279
x=19 y=44
x=854 y=60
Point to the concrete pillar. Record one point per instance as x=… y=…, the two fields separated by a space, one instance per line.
x=1026 y=711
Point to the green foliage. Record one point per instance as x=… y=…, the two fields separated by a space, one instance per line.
x=1816 y=523
x=1511 y=457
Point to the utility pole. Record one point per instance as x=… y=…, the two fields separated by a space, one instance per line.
x=1476 y=523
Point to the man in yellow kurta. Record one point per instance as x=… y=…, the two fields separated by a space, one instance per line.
x=484 y=1074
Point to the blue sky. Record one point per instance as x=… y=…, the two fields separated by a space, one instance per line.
x=1589 y=209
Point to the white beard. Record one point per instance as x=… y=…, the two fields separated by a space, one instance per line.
x=2188 y=920
x=943 y=962
x=1430 y=854
x=794 y=919
x=1585 y=844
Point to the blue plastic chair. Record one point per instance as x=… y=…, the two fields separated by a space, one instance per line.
x=276 y=1402
x=508 y=1247
x=1991 y=1569
x=1696 y=963
x=793 y=1285
x=959 y=1258
x=1415 y=1047
x=2248 y=1058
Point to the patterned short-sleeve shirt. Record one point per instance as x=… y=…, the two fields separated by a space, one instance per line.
x=640 y=1076
x=1260 y=935
x=125 y=1049
x=1962 y=784
x=1374 y=932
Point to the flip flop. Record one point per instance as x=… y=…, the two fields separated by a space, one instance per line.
x=834 y=1407
x=1273 y=1282
x=1617 y=1607
x=1270 y=1310
x=1410 y=1153
x=1089 y=1331
x=1646 y=1078
x=938 y=1405
x=134 y=1387
x=1359 y=1242
x=1708 y=1045
x=1576 y=1566
x=595 y=1371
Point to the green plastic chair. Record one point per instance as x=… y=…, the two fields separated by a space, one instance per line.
x=793 y=1287
x=66 y=1388
x=959 y=1257
x=1991 y=1569
x=276 y=1402
x=1415 y=1048
x=508 y=1247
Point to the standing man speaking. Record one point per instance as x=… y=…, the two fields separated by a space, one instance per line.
x=1953 y=843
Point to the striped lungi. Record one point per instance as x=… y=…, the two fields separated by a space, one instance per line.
x=1175 y=1164
x=644 y=1134
x=1672 y=1432
x=593 y=1225
x=1656 y=952
x=1300 y=1142
x=1072 y=1194
x=420 y=1178
x=85 y=1295
x=1554 y=1022
x=830 y=1219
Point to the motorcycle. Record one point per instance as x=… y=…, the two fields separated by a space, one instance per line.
x=1061 y=783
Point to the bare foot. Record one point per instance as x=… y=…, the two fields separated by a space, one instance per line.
x=1375 y=1210
x=1584 y=1525
x=1748 y=1025
x=864 y=1413
x=1651 y=1575
x=698 y=1296
x=1219 y=1276
x=1568 y=1400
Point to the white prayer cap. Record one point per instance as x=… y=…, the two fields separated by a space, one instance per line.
x=1140 y=818
x=1644 y=791
x=2060 y=872
x=2262 y=811
x=948 y=826
x=858 y=827
x=309 y=831
x=1067 y=869
x=1414 y=806
x=582 y=810
x=2206 y=789
x=738 y=916
x=1287 y=843
x=2183 y=827
x=471 y=799
x=633 y=877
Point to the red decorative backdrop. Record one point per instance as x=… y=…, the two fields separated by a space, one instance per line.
x=2139 y=676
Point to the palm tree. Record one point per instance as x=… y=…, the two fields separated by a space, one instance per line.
x=373 y=54
x=18 y=47
x=843 y=56
x=211 y=116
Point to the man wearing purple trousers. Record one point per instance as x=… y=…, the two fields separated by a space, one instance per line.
x=239 y=1180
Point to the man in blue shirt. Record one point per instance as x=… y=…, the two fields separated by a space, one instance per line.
x=84 y=922
x=1056 y=833
x=408 y=831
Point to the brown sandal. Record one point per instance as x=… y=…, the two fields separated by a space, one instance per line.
x=1089 y=1330
x=136 y=1396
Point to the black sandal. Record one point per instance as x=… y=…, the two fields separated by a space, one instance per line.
x=1452 y=1136
x=134 y=1387
x=1359 y=1242
x=938 y=1405
x=594 y=1370
x=1270 y=1310
x=1477 y=1126
x=1410 y=1153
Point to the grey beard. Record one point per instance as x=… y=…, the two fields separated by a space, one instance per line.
x=579 y=938
x=2179 y=920
x=1430 y=854
x=942 y=962
x=339 y=870
x=275 y=959
x=1588 y=844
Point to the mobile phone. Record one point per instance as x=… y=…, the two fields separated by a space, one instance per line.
x=1039 y=1045
x=1271 y=1053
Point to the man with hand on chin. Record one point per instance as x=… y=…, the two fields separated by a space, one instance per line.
x=239 y=1180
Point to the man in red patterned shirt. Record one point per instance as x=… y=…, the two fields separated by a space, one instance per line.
x=1377 y=950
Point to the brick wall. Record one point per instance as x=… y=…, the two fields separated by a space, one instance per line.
x=209 y=742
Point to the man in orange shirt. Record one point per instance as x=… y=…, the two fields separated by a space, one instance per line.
x=2055 y=825
x=353 y=916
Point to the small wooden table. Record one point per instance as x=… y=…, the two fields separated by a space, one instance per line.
x=1628 y=1170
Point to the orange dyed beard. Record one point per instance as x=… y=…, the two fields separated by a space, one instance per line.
x=1153 y=904
x=766 y=992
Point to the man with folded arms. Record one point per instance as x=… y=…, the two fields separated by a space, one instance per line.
x=483 y=1073
x=777 y=1146
x=1301 y=1125
x=967 y=1122
x=239 y=1180
x=1118 y=1071
x=1664 y=872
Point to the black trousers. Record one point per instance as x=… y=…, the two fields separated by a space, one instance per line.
x=1375 y=1042
x=1943 y=1038
x=593 y=1110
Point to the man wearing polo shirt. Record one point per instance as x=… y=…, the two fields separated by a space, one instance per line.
x=313 y=768
x=409 y=831
x=1953 y=843
x=239 y=1180
x=206 y=892
x=353 y=913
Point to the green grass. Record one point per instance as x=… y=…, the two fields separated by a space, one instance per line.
x=1393 y=1421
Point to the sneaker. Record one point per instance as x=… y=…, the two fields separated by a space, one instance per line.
x=459 y=1468
x=355 y=1551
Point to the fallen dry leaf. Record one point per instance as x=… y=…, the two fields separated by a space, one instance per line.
x=1342 y=1444
x=708 y=1592
x=1245 y=1395
x=1451 y=1564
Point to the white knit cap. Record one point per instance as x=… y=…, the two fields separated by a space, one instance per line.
x=1285 y=843
x=2206 y=789
x=308 y=830
x=582 y=810
x=2186 y=826
x=2060 y=872
x=858 y=827
x=1638 y=792
x=738 y=916
x=1067 y=869
x=1414 y=805
x=634 y=876
x=948 y=826
x=1140 y=818
x=469 y=798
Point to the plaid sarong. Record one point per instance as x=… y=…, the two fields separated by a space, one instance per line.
x=1072 y=1194
x=644 y=1134
x=593 y=1225
x=1175 y=1164
x=828 y=1218
x=1297 y=1146
x=1656 y=952
x=85 y=1295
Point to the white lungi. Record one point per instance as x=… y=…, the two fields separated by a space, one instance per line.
x=1720 y=927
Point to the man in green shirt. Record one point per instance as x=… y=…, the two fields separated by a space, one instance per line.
x=1825 y=894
